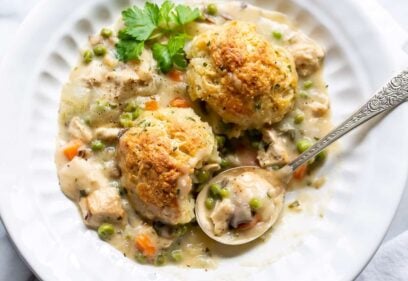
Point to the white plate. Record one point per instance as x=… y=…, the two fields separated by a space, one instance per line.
x=333 y=240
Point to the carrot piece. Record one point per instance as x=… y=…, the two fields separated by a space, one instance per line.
x=151 y=105
x=251 y=224
x=145 y=245
x=179 y=102
x=71 y=149
x=176 y=75
x=300 y=172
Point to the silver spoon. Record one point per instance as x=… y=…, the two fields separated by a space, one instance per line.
x=394 y=93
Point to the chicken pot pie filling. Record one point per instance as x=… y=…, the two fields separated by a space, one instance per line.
x=170 y=96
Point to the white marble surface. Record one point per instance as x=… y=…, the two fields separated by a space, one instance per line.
x=13 y=12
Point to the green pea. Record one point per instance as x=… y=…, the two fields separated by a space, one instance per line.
x=209 y=203
x=87 y=56
x=126 y=115
x=126 y=123
x=99 y=50
x=303 y=94
x=225 y=163
x=303 y=145
x=106 y=32
x=160 y=260
x=299 y=118
x=277 y=35
x=176 y=255
x=202 y=176
x=215 y=190
x=220 y=141
x=212 y=9
x=224 y=193
x=130 y=106
x=97 y=145
x=307 y=84
x=321 y=156
x=255 y=204
x=140 y=257
x=180 y=230
x=126 y=119
x=136 y=113
x=105 y=231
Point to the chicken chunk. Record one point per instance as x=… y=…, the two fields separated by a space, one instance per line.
x=125 y=80
x=80 y=177
x=109 y=134
x=221 y=216
x=276 y=153
x=320 y=106
x=79 y=130
x=102 y=205
x=308 y=54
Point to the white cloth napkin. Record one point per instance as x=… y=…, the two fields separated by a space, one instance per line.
x=11 y=267
x=389 y=264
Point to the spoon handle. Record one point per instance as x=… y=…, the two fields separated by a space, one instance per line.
x=389 y=97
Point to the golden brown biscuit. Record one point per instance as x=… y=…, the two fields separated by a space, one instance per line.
x=156 y=159
x=241 y=76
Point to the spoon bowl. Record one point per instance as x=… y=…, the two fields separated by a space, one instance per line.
x=261 y=221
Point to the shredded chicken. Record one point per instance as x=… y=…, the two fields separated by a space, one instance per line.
x=102 y=205
x=221 y=216
x=308 y=54
x=80 y=177
x=79 y=130
x=320 y=106
x=109 y=134
x=125 y=80
x=276 y=153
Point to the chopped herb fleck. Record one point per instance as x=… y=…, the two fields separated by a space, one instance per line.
x=294 y=204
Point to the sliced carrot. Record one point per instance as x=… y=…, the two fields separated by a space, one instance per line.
x=71 y=149
x=151 y=105
x=176 y=75
x=300 y=172
x=179 y=102
x=145 y=245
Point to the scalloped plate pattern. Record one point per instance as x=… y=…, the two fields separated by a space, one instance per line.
x=331 y=240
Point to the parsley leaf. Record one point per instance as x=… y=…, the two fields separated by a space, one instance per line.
x=140 y=24
x=129 y=50
x=171 y=53
x=167 y=17
x=152 y=23
x=162 y=56
x=176 y=43
x=179 y=59
x=186 y=14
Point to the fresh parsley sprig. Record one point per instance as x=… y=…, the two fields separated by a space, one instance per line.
x=152 y=23
x=171 y=54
